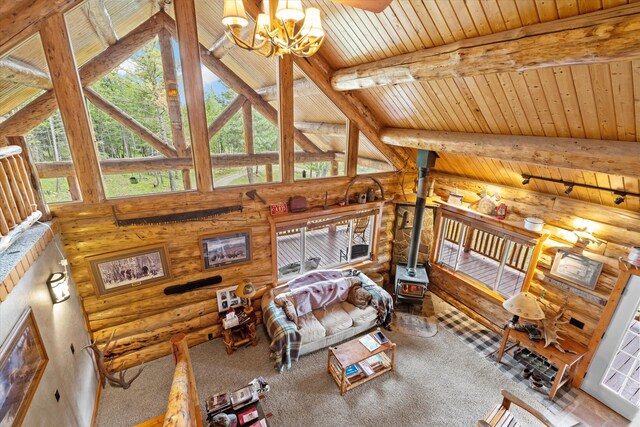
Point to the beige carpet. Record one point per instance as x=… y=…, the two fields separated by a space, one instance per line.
x=438 y=381
x=411 y=324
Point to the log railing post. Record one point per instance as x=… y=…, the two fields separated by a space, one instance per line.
x=184 y=404
x=30 y=174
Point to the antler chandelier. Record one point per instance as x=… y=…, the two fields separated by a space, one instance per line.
x=275 y=29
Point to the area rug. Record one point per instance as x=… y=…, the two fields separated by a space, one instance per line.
x=417 y=326
x=437 y=382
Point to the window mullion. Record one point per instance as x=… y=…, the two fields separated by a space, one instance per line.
x=303 y=249
x=503 y=261
x=463 y=233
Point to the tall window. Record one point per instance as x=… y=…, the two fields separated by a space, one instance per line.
x=306 y=244
x=485 y=252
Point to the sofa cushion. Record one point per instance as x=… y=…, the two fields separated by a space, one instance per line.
x=359 y=316
x=333 y=318
x=310 y=328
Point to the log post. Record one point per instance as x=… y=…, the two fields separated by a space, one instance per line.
x=284 y=71
x=184 y=404
x=353 y=136
x=247 y=122
x=73 y=110
x=173 y=100
x=186 y=27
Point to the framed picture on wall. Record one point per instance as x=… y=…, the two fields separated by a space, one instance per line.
x=22 y=362
x=225 y=249
x=575 y=268
x=132 y=268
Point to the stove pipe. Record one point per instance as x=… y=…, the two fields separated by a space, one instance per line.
x=424 y=161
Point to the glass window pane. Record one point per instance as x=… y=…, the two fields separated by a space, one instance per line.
x=288 y=243
x=370 y=160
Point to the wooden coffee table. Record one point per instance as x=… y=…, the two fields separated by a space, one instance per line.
x=351 y=352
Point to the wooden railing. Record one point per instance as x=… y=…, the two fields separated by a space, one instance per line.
x=18 y=208
x=489 y=245
x=184 y=405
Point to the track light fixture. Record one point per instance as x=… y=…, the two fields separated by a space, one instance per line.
x=620 y=195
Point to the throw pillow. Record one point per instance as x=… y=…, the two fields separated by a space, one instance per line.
x=289 y=308
x=359 y=297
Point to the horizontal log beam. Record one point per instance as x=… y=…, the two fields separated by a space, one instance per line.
x=610 y=157
x=301 y=87
x=38 y=110
x=319 y=128
x=604 y=36
x=100 y=20
x=20 y=73
x=130 y=123
x=152 y=164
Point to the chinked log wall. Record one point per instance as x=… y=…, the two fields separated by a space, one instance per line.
x=619 y=228
x=145 y=319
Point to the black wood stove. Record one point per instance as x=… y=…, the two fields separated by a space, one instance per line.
x=412 y=279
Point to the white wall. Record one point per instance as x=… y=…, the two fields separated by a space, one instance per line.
x=60 y=325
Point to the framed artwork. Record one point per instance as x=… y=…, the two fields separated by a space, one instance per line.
x=22 y=362
x=227 y=298
x=575 y=268
x=225 y=249
x=132 y=268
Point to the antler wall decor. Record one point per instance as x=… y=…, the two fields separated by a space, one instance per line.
x=114 y=381
x=551 y=327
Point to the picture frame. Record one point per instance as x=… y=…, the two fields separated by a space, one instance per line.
x=575 y=268
x=122 y=271
x=23 y=359
x=227 y=298
x=225 y=249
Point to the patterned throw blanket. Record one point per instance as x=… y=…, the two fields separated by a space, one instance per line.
x=286 y=339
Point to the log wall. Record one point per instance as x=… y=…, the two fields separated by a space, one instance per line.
x=619 y=229
x=145 y=319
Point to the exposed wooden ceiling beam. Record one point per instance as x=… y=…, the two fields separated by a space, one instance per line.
x=318 y=71
x=610 y=157
x=232 y=80
x=34 y=113
x=100 y=20
x=20 y=73
x=604 y=36
x=226 y=115
x=130 y=123
x=221 y=46
x=21 y=19
x=145 y=164
x=319 y=128
x=301 y=87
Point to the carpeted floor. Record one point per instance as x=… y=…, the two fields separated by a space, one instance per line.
x=438 y=381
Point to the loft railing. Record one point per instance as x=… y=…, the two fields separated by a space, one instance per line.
x=18 y=208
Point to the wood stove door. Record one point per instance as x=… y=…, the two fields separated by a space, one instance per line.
x=402 y=231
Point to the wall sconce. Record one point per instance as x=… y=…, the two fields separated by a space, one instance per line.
x=58 y=284
x=585 y=238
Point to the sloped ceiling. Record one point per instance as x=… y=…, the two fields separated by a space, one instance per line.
x=599 y=101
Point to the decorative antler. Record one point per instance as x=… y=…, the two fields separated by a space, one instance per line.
x=551 y=327
x=114 y=381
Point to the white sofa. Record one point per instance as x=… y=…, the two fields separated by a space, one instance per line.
x=322 y=327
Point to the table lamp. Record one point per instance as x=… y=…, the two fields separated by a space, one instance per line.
x=246 y=291
x=523 y=305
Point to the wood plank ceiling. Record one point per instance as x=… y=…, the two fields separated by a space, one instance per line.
x=599 y=101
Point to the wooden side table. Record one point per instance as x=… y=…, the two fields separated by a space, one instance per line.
x=566 y=362
x=240 y=335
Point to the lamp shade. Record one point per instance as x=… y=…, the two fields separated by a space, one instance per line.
x=246 y=290
x=524 y=305
x=290 y=10
x=312 y=26
x=234 y=13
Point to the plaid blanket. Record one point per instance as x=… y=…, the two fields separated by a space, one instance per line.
x=285 y=338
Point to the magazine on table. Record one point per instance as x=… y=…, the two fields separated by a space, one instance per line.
x=217 y=403
x=353 y=370
x=370 y=343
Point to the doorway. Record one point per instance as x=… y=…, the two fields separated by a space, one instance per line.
x=614 y=374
